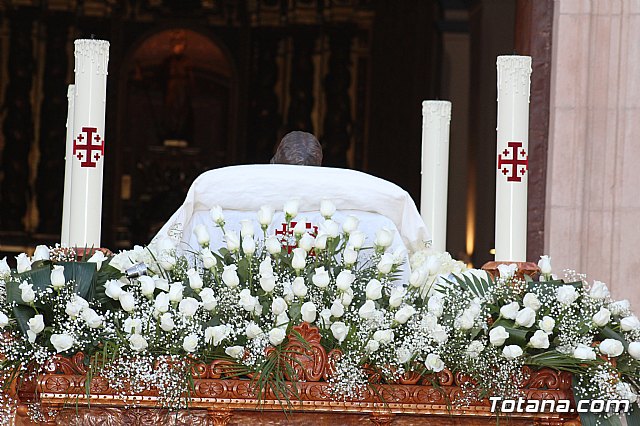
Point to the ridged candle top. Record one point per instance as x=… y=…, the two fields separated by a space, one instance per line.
x=433 y=108
x=514 y=73
x=89 y=51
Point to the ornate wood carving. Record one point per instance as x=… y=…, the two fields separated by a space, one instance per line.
x=301 y=85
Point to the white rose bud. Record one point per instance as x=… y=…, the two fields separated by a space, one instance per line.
x=620 y=307
x=417 y=278
x=337 y=308
x=374 y=289
x=367 y=310
x=26 y=292
x=202 y=235
x=36 y=324
x=357 y=239
x=602 y=317
x=547 y=324
x=526 y=317
x=321 y=277
x=132 y=326
x=235 y=351
x=566 y=294
x=190 y=343
x=530 y=300
x=464 y=321
x=306 y=242
x=344 y=280
x=175 y=292
x=512 y=351
x=372 y=346
x=599 y=291
x=166 y=322
x=278 y=306
x=276 y=336
x=98 y=257
x=385 y=264
x=339 y=331
x=350 y=224
x=113 y=289
x=91 y=317
x=233 y=241
x=327 y=208
x=215 y=335
x=216 y=215
x=507 y=271
x=195 y=281
x=474 y=349
x=230 y=276
x=299 y=255
x=282 y=320
x=147 y=285
x=138 y=343
x=62 y=342
x=300 y=228
x=75 y=306
x=291 y=208
x=4 y=320
x=325 y=317
x=188 y=306
x=384 y=238
x=539 y=340
x=57 y=277
x=41 y=253
x=308 y=311
x=545 y=264
x=161 y=283
x=265 y=216
x=510 y=311
x=320 y=242
x=434 y=363
x=248 y=245
x=247 y=301
x=384 y=336
x=268 y=283
x=209 y=301
x=584 y=352
x=435 y=305
x=127 y=301
x=331 y=228
x=611 y=347
x=161 y=304
x=266 y=268
x=4 y=267
x=299 y=289
x=253 y=330
x=404 y=313
x=498 y=335
x=273 y=245
x=397 y=296
x=629 y=323
x=23 y=263
x=634 y=350
x=246 y=228
x=208 y=259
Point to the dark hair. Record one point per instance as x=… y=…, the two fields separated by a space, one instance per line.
x=300 y=148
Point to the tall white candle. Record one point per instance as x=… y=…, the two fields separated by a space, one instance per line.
x=514 y=82
x=436 y=118
x=91 y=61
x=68 y=160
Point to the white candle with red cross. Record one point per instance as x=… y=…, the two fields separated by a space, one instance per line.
x=514 y=82
x=88 y=144
x=66 y=202
x=436 y=118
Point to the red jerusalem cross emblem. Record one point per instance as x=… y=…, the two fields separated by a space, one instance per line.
x=84 y=148
x=518 y=160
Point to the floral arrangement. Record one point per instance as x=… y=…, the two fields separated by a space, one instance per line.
x=150 y=313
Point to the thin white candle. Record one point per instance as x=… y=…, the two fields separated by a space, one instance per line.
x=514 y=82
x=436 y=119
x=91 y=61
x=68 y=159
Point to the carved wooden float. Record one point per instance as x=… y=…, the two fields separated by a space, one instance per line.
x=218 y=401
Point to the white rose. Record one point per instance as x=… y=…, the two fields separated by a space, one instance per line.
x=306 y=242
x=253 y=330
x=113 y=289
x=510 y=311
x=273 y=245
x=132 y=326
x=630 y=323
x=247 y=301
x=268 y=283
x=91 y=317
x=345 y=279
x=321 y=277
x=300 y=227
x=166 y=322
x=367 y=310
x=347 y=297
x=602 y=317
x=320 y=242
x=397 y=296
x=209 y=301
x=36 y=324
x=299 y=255
x=57 y=277
x=599 y=291
x=374 y=289
x=584 y=352
x=161 y=304
x=216 y=215
x=278 y=306
x=384 y=336
x=545 y=264
x=298 y=287
x=547 y=324
x=208 y=259
x=147 y=285
x=350 y=224
x=539 y=340
x=75 y=306
x=350 y=255
x=230 y=276
x=530 y=300
x=167 y=261
x=246 y=229
x=464 y=321
x=215 y=335
x=325 y=317
x=161 y=283
x=498 y=335
x=417 y=278
x=434 y=363
x=566 y=294
x=175 y=292
x=98 y=257
x=188 y=306
x=291 y=208
x=403 y=355
x=266 y=268
x=327 y=208
x=137 y=342
x=127 y=301
x=507 y=271
x=282 y=320
x=27 y=294
x=62 y=342
x=404 y=313
x=474 y=349
x=625 y=392
x=526 y=317
x=337 y=308
x=611 y=347
x=512 y=351
x=330 y=228
x=439 y=334
x=620 y=307
x=385 y=264
x=357 y=239
x=435 y=305
x=248 y=245
x=309 y=312
x=41 y=253
x=195 y=281
x=233 y=241
x=23 y=263
x=5 y=270
x=372 y=346
x=339 y=331
x=634 y=350
x=235 y=351
x=265 y=216
x=190 y=343
x=276 y=336
x=4 y=320
x=384 y=238
x=201 y=234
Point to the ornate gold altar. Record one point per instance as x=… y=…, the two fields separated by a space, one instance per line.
x=221 y=400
